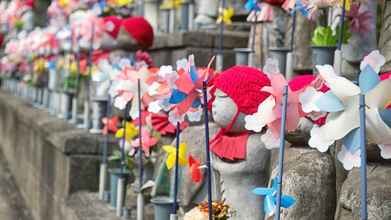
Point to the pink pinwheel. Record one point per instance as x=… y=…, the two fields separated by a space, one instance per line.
x=269 y=111
x=125 y=89
x=360 y=19
x=148 y=141
x=87 y=27
x=110 y=125
x=188 y=91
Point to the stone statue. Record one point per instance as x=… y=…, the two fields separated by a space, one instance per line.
x=385 y=36
x=207 y=13
x=239 y=156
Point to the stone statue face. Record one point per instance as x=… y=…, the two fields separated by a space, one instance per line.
x=224 y=110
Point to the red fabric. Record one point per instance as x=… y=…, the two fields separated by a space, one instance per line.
x=275 y=2
x=30 y=3
x=161 y=124
x=194 y=165
x=116 y=22
x=385 y=76
x=243 y=85
x=231 y=147
x=140 y=30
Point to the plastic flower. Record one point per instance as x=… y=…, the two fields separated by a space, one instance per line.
x=131 y=132
x=269 y=111
x=270 y=202
x=226 y=16
x=188 y=87
x=171 y=155
x=125 y=89
x=195 y=170
x=110 y=125
x=360 y=19
x=342 y=104
x=148 y=141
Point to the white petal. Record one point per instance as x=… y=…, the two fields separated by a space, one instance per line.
x=154 y=107
x=153 y=89
x=174 y=118
x=375 y=60
x=318 y=141
x=270 y=141
x=348 y=159
x=385 y=150
x=378 y=132
x=253 y=123
x=308 y=99
x=340 y=86
x=195 y=116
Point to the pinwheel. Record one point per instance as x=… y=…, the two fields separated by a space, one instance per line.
x=130 y=130
x=160 y=123
x=195 y=170
x=342 y=104
x=188 y=92
x=124 y=88
x=269 y=112
x=171 y=4
x=110 y=125
x=171 y=155
x=270 y=194
x=226 y=16
x=360 y=19
x=148 y=141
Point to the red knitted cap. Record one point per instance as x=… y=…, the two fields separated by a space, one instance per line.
x=243 y=85
x=112 y=25
x=140 y=30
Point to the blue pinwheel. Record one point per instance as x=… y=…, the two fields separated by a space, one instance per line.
x=270 y=195
x=300 y=7
x=252 y=5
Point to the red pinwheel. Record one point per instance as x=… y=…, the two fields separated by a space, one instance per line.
x=161 y=124
x=195 y=170
x=188 y=89
x=110 y=125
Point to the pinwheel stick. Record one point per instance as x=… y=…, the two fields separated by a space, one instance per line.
x=219 y=60
x=103 y=165
x=338 y=52
x=208 y=164
x=176 y=180
x=140 y=197
x=363 y=167
x=282 y=151
x=289 y=56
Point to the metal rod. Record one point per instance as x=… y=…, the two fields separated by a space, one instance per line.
x=176 y=181
x=140 y=204
x=282 y=151
x=208 y=163
x=294 y=17
x=363 y=167
x=341 y=27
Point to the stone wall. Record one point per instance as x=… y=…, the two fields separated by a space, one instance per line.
x=49 y=158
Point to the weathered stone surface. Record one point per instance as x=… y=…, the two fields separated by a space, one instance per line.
x=12 y=204
x=385 y=35
x=49 y=158
x=191 y=193
x=379 y=194
x=309 y=176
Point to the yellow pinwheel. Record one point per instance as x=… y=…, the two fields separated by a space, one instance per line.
x=63 y=3
x=131 y=132
x=347 y=5
x=171 y=4
x=122 y=3
x=171 y=155
x=226 y=16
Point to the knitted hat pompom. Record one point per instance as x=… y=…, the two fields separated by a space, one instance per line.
x=140 y=30
x=243 y=85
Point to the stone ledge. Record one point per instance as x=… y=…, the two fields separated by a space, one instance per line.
x=200 y=39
